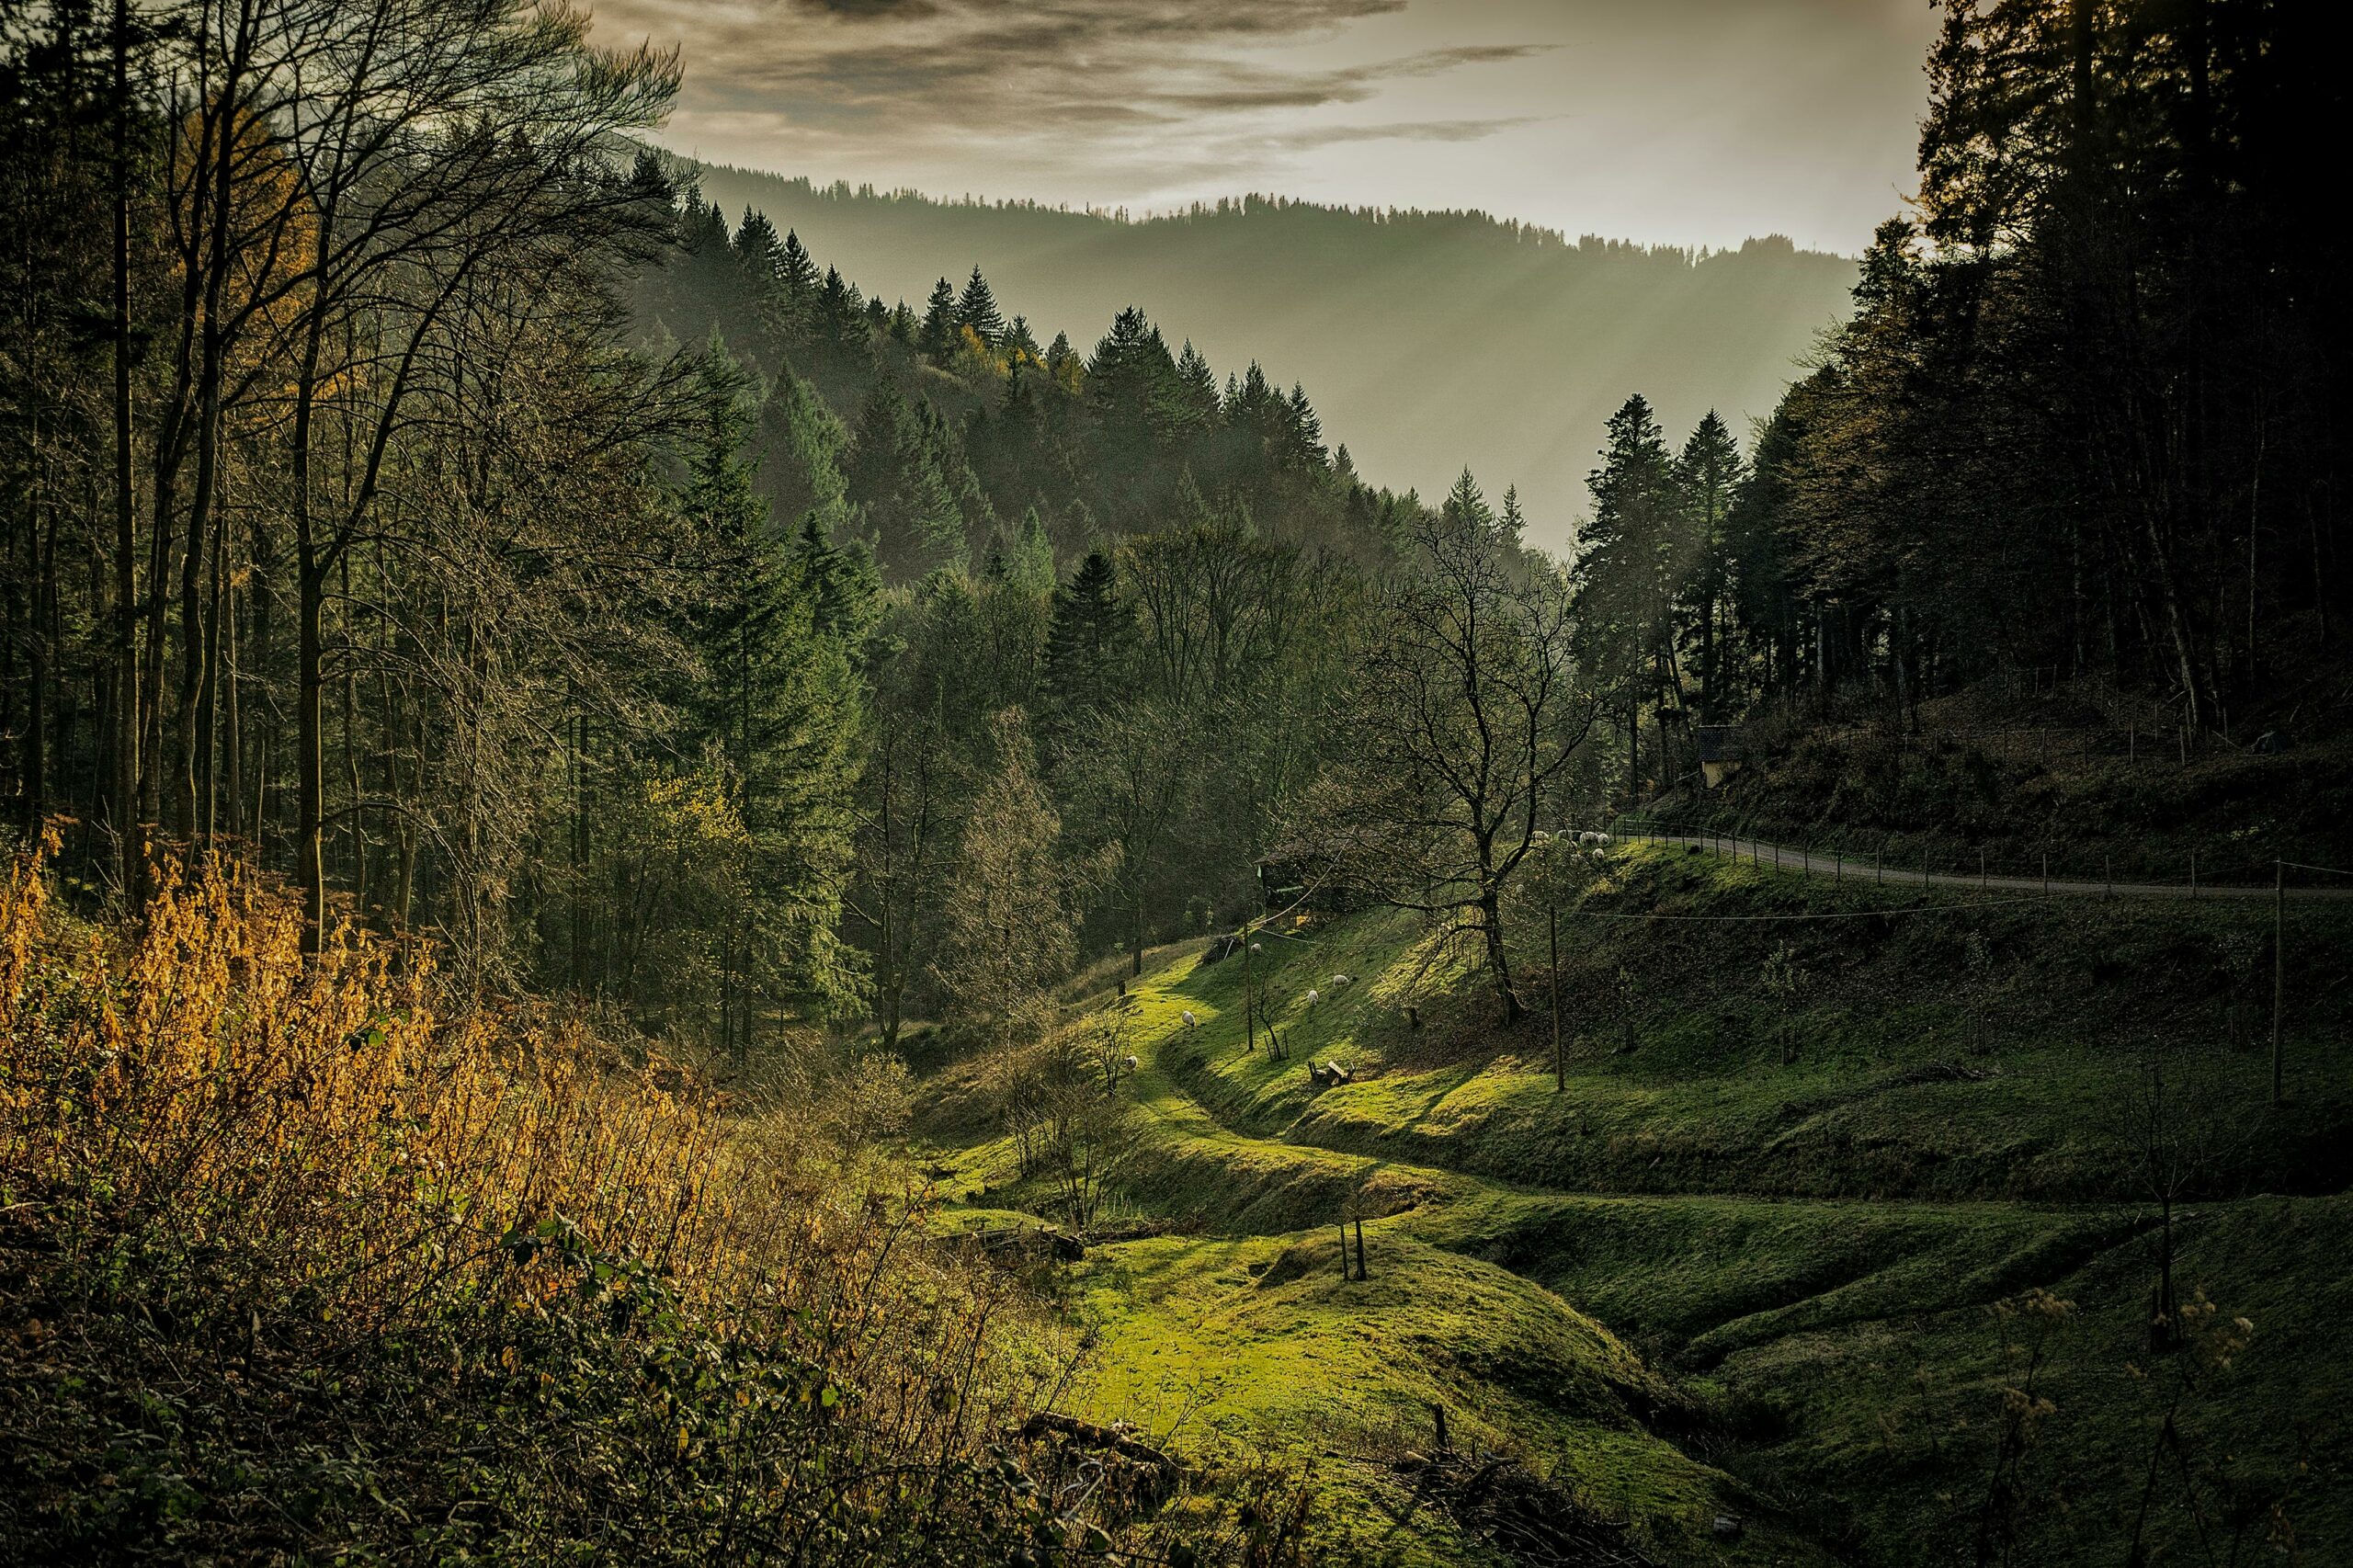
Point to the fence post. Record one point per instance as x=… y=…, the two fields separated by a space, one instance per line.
x=2193 y=873
x=1981 y=866
x=2046 y=874
x=2107 y=874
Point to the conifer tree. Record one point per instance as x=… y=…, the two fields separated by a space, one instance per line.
x=1020 y=340
x=1511 y=525
x=795 y=269
x=977 y=312
x=1084 y=642
x=937 y=336
x=756 y=245
x=780 y=710
x=1707 y=473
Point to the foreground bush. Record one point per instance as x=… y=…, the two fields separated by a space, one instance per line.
x=310 y=1265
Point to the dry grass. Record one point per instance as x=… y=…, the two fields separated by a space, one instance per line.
x=225 y=1172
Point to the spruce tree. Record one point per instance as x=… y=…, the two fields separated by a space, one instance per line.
x=756 y=247
x=937 y=336
x=781 y=711
x=796 y=269
x=1707 y=473
x=1511 y=524
x=1020 y=340
x=977 y=312
x=1084 y=642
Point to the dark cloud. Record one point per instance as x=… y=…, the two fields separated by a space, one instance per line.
x=873 y=8
x=902 y=66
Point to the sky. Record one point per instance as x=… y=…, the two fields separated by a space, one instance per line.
x=1695 y=122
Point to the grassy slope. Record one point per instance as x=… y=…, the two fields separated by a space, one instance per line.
x=1806 y=1256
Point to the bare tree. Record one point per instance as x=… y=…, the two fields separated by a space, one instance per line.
x=1470 y=708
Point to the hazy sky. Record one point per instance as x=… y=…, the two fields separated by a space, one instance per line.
x=1694 y=121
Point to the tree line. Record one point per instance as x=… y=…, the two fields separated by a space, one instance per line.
x=414 y=496
x=2087 y=416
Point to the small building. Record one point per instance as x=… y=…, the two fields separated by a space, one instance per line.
x=1720 y=750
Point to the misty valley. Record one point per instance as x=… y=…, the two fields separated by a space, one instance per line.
x=714 y=866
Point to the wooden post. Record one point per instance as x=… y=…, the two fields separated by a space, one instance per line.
x=1343 y=1248
x=1981 y=865
x=2193 y=873
x=2108 y=873
x=1359 y=1224
x=1249 y=993
x=1439 y=1411
x=2279 y=966
x=1560 y=1063
x=2046 y=874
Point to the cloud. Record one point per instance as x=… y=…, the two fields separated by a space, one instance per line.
x=1308 y=137
x=1151 y=85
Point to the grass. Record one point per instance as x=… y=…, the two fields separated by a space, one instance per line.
x=1699 y=1278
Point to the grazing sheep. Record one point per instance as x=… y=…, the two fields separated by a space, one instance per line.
x=1314 y=997
x=1190 y=1022
x=1133 y=1063
x=1342 y=981
x=1599 y=840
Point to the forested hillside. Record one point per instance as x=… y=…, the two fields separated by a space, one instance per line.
x=1432 y=340
x=589 y=789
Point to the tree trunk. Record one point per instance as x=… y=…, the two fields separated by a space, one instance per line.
x=124 y=814
x=1498 y=961
x=309 y=755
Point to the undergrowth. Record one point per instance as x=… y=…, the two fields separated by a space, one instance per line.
x=309 y=1260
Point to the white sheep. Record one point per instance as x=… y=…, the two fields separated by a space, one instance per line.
x=1133 y=1063
x=1190 y=1022
x=1599 y=840
x=1314 y=997
x=1342 y=981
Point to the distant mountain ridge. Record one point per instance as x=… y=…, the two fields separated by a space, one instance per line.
x=1427 y=340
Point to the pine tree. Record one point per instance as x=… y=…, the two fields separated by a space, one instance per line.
x=977 y=312
x=1512 y=526
x=780 y=710
x=937 y=336
x=1196 y=403
x=1020 y=340
x=756 y=247
x=1708 y=473
x=1085 y=642
x=796 y=269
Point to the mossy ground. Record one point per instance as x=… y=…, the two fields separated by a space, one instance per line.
x=1697 y=1278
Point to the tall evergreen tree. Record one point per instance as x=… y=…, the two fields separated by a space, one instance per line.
x=1086 y=643
x=937 y=337
x=756 y=247
x=977 y=312
x=1707 y=473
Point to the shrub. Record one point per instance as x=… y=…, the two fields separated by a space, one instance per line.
x=308 y=1261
